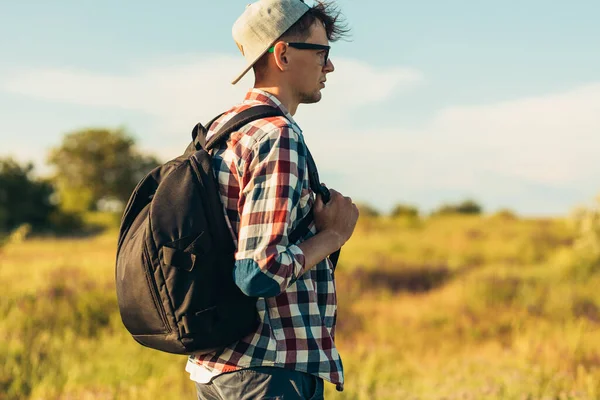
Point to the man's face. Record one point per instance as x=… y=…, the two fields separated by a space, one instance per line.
x=308 y=71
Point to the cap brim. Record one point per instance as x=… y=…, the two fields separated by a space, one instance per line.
x=240 y=76
x=245 y=71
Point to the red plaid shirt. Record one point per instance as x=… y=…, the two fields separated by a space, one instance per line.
x=263 y=178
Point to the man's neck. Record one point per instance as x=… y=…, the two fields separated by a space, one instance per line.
x=282 y=95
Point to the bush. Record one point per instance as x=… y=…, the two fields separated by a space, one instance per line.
x=63 y=222
x=468 y=207
x=506 y=214
x=23 y=199
x=16 y=236
x=586 y=222
x=29 y=201
x=367 y=210
x=404 y=210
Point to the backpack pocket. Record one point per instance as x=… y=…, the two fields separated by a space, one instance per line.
x=139 y=299
x=190 y=274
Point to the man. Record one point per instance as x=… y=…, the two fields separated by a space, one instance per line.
x=264 y=186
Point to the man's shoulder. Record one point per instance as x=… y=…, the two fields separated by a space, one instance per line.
x=260 y=129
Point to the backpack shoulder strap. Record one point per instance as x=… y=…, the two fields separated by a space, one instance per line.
x=199 y=135
x=239 y=121
x=315 y=185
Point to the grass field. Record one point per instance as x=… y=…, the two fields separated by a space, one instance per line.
x=457 y=307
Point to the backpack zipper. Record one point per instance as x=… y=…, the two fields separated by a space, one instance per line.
x=154 y=291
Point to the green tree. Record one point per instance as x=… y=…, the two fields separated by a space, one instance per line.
x=97 y=164
x=23 y=199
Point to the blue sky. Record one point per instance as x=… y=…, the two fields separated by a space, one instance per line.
x=430 y=102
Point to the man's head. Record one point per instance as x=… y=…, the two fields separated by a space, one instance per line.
x=286 y=43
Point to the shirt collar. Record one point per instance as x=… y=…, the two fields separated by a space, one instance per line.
x=260 y=96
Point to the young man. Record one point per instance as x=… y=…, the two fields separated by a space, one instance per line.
x=263 y=176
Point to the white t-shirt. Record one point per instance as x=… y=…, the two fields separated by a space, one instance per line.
x=199 y=373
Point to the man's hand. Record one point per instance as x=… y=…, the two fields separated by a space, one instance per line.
x=335 y=222
x=338 y=216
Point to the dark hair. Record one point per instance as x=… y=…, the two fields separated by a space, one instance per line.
x=325 y=12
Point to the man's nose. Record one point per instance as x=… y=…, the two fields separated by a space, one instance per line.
x=329 y=67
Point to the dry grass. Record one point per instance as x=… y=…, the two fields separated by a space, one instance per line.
x=446 y=308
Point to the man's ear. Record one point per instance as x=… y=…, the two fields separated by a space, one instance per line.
x=281 y=56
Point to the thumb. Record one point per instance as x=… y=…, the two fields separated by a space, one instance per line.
x=318 y=206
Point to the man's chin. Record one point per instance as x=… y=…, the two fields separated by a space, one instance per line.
x=315 y=98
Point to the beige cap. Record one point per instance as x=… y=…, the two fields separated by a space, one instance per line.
x=261 y=24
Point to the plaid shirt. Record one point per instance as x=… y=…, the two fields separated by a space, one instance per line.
x=264 y=187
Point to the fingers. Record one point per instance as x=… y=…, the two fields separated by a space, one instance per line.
x=318 y=206
x=336 y=197
x=334 y=193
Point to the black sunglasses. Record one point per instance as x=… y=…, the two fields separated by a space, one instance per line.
x=308 y=46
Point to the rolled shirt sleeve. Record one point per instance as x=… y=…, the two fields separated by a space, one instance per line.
x=266 y=263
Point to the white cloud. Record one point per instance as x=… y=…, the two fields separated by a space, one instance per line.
x=177 y=94
x=355 y=84
x=188 y=90
x=549 y=139
x=511 y=152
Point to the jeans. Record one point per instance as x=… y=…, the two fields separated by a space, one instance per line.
x=262 y=383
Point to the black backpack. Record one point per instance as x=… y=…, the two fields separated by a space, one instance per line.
x=175 y=255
